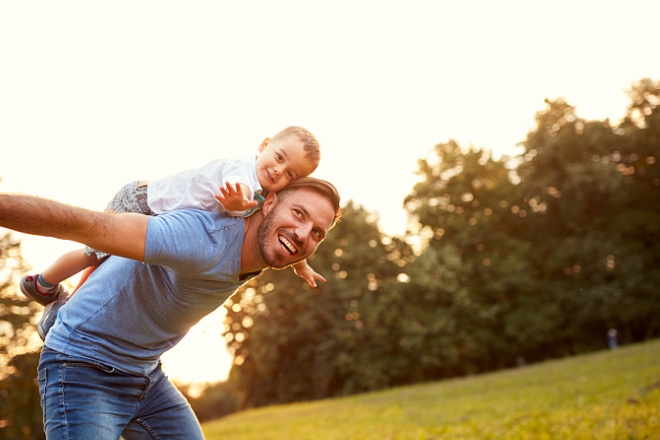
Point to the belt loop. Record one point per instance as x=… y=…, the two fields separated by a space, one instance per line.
x=105 y=368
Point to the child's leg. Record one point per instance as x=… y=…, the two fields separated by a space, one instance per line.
x=68 y=265
x=130 y=198
x=83 y=277
x=50 y=312
x=45 y=287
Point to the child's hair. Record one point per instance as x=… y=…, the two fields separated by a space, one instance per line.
x=310 y=143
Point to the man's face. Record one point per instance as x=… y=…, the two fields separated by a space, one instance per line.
x=293 y=227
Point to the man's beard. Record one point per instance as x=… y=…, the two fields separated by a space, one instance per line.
x=272 y=258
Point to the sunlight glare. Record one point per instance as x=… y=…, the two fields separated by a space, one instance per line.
x=202 y=356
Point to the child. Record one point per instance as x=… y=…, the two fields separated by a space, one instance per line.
x=227 y=185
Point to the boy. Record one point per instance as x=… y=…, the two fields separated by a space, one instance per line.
x=227 y=185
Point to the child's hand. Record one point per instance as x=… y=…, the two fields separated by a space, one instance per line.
x=304 y=271
x=232 y=198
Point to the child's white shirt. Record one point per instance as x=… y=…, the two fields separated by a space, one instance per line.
x=196 y=188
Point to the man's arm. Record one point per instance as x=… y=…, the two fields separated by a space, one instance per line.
x=117 y=234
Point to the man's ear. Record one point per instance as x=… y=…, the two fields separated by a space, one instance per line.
x=264 y=144
x=269 y=202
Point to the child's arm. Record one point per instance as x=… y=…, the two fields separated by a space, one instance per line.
x=304 y=271
x=234 y=198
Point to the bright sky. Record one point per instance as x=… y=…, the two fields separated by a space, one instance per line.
x=96 y=94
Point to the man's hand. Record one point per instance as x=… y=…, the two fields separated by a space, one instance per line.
x=234 y=198
x=304 y=271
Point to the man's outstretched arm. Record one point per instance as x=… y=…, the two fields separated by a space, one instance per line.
x=117 y=234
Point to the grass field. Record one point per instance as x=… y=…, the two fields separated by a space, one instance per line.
x=605 y=395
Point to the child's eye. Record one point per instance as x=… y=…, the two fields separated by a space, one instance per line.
x=289 y=175
x=279 y=157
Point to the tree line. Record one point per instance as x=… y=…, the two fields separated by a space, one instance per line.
x=505 y=261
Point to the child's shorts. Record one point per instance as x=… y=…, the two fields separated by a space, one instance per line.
x=131 y=198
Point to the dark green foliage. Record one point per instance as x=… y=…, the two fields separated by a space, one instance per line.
x=20 y=411
x=596 y=240
x=521 y=259
x=293 y=343
x=216 y=400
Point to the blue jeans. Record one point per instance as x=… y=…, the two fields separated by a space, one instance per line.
x=82 y=399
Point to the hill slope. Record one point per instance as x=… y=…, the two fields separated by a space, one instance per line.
x=604 y=395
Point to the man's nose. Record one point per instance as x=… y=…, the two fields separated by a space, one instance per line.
x=303 y=231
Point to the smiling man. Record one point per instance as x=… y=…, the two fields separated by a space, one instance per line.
x=99 y=373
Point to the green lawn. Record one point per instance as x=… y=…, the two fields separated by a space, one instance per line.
x=605 y=395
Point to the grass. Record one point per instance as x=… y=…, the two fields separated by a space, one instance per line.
x=604 y=395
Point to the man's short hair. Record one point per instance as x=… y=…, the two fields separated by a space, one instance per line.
x=322 y=187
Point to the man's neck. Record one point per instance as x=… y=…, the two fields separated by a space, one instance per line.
x=251 y=260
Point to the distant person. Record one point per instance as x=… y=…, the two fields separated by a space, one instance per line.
x=226 y=185
x=99 y=373
x=612 y=340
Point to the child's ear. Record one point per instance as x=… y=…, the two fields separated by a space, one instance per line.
x=264 y=144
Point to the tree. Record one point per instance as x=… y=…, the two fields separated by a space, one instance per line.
x=551 y=253
x=466 y=205
x=215 y=401
x=20 y=412
x=597 y=234
x=294 y=343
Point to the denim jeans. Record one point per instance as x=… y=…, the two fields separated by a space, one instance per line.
x=86 y=400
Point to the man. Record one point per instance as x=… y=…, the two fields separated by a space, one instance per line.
x=99 y=373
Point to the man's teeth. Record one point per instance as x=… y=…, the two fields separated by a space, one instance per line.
x=287 y=244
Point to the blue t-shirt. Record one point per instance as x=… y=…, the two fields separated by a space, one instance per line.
x=128 y=313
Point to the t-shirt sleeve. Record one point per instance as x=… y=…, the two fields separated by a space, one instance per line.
x=194 y=244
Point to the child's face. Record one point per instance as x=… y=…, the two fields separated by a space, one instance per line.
x=281 y=162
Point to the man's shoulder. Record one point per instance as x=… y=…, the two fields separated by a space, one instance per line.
x=193 y=232
x=201 y=218
x=215 y=216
